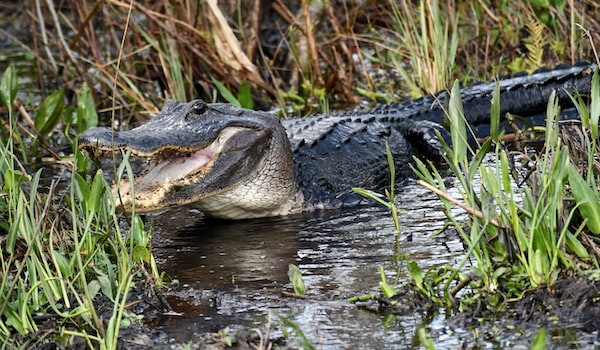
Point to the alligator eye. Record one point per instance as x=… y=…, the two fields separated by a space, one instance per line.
x=197 y=109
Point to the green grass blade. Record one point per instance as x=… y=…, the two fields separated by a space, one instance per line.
x=386 y=289
x=245 y=96
x=539 y=343
x=87 y=117
x=50 y=112
x=458 y=129
x=225 y=93
x=302 y=339
x=587 y=199
x=495 y=114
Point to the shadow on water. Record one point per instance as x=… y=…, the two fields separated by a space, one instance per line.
x=233 y=273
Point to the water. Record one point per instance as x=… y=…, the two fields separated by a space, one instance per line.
x=232 y=274
x=243 y=266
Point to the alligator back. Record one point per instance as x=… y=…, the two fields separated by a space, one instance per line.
x=336 y=152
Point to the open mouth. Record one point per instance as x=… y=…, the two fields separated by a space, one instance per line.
x=171 y=166
x=172 y=170
x=166 y=169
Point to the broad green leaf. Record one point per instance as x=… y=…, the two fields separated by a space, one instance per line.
x=245 y=96
x=505 y=164
x=141 y=254
x=81 y=188
x=295 y=276
x=13 y=178
x=94 y=287
x=87 y=117
x=587 y=200
x=458 y=129
x=50 y=112
x=582 y=110
x=8 y=86
x=576 y=247
x=63 y=264
x=539 y=343
x=106 y=285
x=13 y=320
x=425 y=340
x=94 y=200
x=387 y=290
x=539 y=266
x=137 y=231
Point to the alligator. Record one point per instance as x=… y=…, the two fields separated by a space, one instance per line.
x=236 y=163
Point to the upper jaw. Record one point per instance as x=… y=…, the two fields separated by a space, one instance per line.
x=179 y=126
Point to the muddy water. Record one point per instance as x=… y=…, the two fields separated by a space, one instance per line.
x=233 y=274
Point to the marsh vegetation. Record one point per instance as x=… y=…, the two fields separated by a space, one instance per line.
x=69 y=260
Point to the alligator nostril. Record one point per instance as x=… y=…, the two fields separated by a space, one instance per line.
x=197 y=109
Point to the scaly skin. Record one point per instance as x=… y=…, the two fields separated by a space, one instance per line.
x=236 y=163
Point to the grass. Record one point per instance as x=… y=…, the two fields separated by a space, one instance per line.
x=63 y=255
x=520 y=238
x=430 y=41
x=319 y=54
x=524 y=232
x=65 y=250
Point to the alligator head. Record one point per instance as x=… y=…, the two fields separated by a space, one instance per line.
x=230 y=162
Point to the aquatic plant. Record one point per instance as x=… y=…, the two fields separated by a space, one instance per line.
x=520 y=237
x=63 y=254
x=295 y=276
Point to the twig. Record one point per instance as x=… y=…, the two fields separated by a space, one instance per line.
x=589 y=35
x=282 y=11
x=61 y=37
x=453 y=200
x=253 y=40
x=311 y=45
x=38 y=10
x=84 y=23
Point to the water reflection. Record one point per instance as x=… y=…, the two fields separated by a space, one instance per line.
x=339 y=252
x=226 y=255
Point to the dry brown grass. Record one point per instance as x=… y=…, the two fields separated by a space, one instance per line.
x=174 y=49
